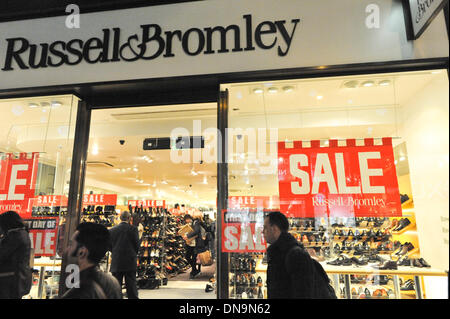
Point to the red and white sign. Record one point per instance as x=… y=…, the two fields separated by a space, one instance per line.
x=43 y=235
x=50 y=201
x=350 y=181
x=18 y=182
x=147 y=203
x=263 y=202
x=242 y=231
x=100 y=199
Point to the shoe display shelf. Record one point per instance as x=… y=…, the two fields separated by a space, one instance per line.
x=100 y=214
x=342 y=276
x=175 y=247
x=309 y=232
x=247 y=276
x=49 y=211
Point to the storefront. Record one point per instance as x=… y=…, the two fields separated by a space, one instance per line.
x=336 y=120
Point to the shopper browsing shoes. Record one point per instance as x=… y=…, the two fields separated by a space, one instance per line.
x=86 y=249
x=125 y=246
x=192 y=251
x=291 y=273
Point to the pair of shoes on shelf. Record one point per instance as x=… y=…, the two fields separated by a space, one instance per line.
x=341 y=261
x=408 y=285
x=404 y=249
x=402 y=224
x=414 y=262
x=388 y=265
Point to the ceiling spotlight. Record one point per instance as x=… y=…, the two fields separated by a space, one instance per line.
x=351 y=84
x=164 y=182
x=272 y=90
x=288 y=88
x=258 y=91
x=435 y=72
x=368 y=83
x=384 y=83
x=33 y=105
x=402 y=158
x=319 y=97
x=56 y=104
x=135 y=169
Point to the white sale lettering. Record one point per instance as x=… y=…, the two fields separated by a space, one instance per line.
x=15 y=181
x=323 y=173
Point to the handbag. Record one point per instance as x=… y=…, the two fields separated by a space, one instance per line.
x=205 y=258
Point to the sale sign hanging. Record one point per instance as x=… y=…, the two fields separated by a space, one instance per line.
x=147 y=203
x=18 y=182
x=343 y=181
x=263 y=202
x=242 y=231
x=100 y=199
x=43 y=235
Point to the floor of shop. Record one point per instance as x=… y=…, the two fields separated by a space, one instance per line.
x=181 y=287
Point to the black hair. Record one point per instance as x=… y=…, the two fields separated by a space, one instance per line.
x=11 y=220
x=278 y=219
x=187 y=216
x=95 y=238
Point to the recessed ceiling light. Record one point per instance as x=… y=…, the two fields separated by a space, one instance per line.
x=258 y=91
x=435 y=72
x=351 y=84
x=272 y=89
x=164 y=182
x=384 y=83
x=368 y=83
x=402 y=158
x=33 y=105
x=288 y=88
x=135 y=169
x=319 y=97
x=56 y=104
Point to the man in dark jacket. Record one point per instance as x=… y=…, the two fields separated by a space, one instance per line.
x=124 y=247
x=15 y=247
x=291 y=273
x=87 y=247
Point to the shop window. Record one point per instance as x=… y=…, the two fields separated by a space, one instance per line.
x=329 y=189
x=36 y=144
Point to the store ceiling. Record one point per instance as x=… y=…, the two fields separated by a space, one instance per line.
x=314 y=109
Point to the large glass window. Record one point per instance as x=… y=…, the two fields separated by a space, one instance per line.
x=343 y=115
x=36 y=144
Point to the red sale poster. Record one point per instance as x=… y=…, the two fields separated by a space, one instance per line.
x=338 y=181
x=18 y=182
x=242 y=231
x=100 y=199
x=43 y=235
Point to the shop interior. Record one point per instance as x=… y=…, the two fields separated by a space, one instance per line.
x=410 y=107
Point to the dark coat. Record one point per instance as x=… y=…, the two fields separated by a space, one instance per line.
x=124 y=247
x=290 y=271
x=95 y=284
x=197 y=231
x=15 y=249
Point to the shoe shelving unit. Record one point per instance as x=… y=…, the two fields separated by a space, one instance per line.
x=99 y=214
x=246 y=278
x=162 y=252
x=372 y=242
